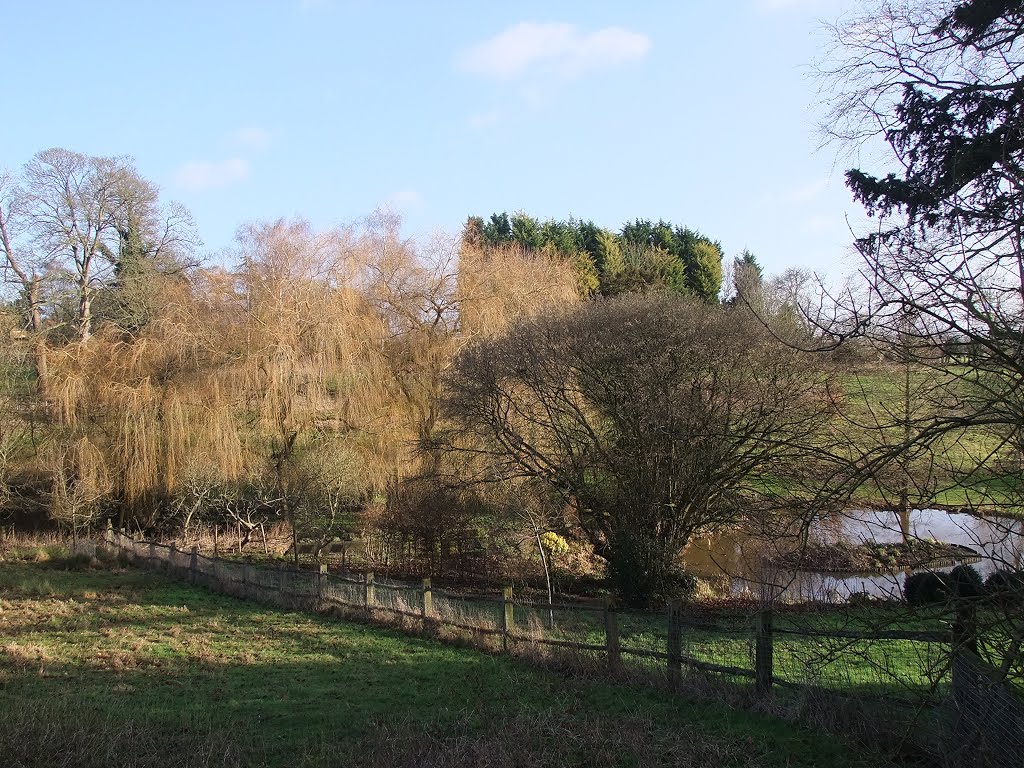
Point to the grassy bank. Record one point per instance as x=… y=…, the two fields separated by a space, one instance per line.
x=101 y=667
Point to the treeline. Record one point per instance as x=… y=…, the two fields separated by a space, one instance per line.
x=642 y=255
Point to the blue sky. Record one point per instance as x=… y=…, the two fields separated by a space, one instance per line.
x=700 y=113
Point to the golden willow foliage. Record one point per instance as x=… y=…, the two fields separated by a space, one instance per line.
x=500 y=284
x=315 y=341
x=80 y=481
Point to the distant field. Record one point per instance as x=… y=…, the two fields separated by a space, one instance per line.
x=874 y=402
x=101 y=667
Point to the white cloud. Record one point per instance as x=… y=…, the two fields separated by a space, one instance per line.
x=199 y=175
x=254 y=138
x=552 y=48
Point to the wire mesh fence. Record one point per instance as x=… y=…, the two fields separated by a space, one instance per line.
x=912 y=667
x=764 y=650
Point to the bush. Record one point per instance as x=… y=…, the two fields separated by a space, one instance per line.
x=1006 y=583
x=680 y=585
x=78 y=562
x=860 y=599
x=927 y=587
x=965 y=582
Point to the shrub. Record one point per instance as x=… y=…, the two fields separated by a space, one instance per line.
x=926 y=587
x=965 y=581
x=860 y=599
x=680 y=585
x=79 y=562
x=1006 y=583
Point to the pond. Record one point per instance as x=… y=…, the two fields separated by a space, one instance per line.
x=740 y=561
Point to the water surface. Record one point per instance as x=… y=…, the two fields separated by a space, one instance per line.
x=741 y=560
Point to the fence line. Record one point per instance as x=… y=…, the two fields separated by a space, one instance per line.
x=433 y=607
x=890 y=665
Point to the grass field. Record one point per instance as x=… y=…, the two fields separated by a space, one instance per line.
x=123 y=667
x=969 y=468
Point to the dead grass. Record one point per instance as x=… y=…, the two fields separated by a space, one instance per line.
x=51 y=736
x=540 y=741
x=22 y=655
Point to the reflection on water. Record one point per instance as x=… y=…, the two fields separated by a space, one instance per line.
x=742 y=559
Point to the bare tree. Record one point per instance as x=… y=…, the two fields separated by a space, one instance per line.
x=88 y=213
x=22 y=259
x=939 y=84
x=651 y=416
x=939 y=88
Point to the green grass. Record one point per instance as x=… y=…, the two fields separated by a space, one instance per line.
x=126 y=667
x=968 y=469
x=911 y=670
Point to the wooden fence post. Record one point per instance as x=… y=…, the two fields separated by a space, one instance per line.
x=368 y=592
x=763 y=665
x=611 y=635
x=152 y=555
x=428 y=602
x=321 y=581
x=675 y=643
x=965 y=636
x=193 y=565
x=507 y=616
x=172 y=559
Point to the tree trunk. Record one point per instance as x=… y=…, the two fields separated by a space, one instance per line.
x=84 y=315
x=547 y=579
x=39 y=362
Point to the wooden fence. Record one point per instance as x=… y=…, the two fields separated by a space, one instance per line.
x=764 y=651
x=513 y=621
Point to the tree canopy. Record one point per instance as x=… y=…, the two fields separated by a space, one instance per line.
x=641 y=256
x=942 y=85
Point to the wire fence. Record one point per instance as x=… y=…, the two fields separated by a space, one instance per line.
x=916 y=676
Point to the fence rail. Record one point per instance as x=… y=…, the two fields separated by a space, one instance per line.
x=912 y=667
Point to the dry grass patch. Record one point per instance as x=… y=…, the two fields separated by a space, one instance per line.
x=22 y=655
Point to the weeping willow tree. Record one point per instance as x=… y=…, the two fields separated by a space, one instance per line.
x=80 y=483
x=238 y=366
x=435 y=513
x=316 y=343
x=434 y=301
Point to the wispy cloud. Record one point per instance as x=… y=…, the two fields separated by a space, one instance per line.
x=252 y=138
x=197 y=175
x=553 y=48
